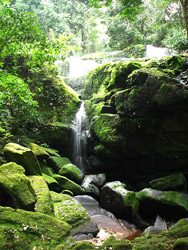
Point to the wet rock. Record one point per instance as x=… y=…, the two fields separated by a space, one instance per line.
x=23 y=156
x=171 y=182
x=72 y=172
x=118 y=200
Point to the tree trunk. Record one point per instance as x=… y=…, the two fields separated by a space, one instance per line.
x=184 y=4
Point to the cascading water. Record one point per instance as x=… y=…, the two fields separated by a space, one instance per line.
x=80 y=134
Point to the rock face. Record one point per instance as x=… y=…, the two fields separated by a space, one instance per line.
x=146 y=137
x=24 y=157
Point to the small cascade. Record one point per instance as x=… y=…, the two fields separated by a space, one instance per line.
x=157 y=52
x=80 y=134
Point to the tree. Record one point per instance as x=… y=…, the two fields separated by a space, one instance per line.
x=134 y=7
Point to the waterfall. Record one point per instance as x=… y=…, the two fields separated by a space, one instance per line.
x=80 y=134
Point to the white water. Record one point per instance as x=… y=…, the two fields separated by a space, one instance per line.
x=80 y=134
x=79 y=67
x=156 y=52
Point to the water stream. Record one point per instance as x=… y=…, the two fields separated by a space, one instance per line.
x=80 y=134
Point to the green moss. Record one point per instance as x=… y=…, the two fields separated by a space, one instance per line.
x=105 y=128
x=22 y=156
x=25 y=230
x=44 y=202
x=164 y=197
x=66 y=184
x=83 y=246
x=57 y=162
x=68 y=209
x=181 y=244
x=16 y=187
x=72 y=172
x=175 y=63
x=40 y=152
x=171 y=182
x=52 y=183
x=47 y=170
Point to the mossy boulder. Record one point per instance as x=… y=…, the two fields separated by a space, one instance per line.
x=66 y=184
x=181 y=244
x=40 y=152
x=52 y=183
x=168 y=204
x=72 y=172
x=20 y=229
x=170 y=182
x=16 y=188
x=118 y=200
x=46 y=170
x=57 y=162
x=44 y=202
x=69 y=209
x=23 y=156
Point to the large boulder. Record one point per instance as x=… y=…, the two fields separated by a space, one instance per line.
x=167 y=204
x=44 y=202
x=20 y=229
x=52 y=183
x=69 y=209
x=118 y=200
x=16 y=188
x=23 y=156
x=72 y=172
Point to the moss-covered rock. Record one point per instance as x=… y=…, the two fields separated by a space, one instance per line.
x=21 y=229
x=16 y=187
x=44 y=202
x=52 y=183
x=181 y=244
x=40 y=152
x=57 y=162
x=46 y=170
x=171 y=182
x=68 y=209
x=168 y=204
x=105 y=128
x=66 y=184
x=22 y=156
x=72 y=172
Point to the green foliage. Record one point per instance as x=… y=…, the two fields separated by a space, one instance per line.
x=176 y=40
x=17 y=105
